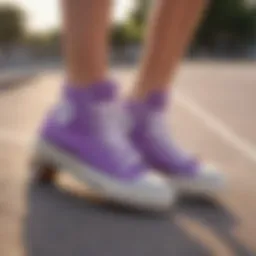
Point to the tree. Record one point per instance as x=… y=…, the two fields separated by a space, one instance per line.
x=229 y=22
x=137 y=23
x=12 y=25
x=132 y=30
x=44 y=44
x=139 y=15
x=118 y=37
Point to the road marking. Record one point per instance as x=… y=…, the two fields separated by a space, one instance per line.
x=218 y=127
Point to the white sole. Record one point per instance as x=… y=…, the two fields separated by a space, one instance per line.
x=190 y=186
x=139 y=193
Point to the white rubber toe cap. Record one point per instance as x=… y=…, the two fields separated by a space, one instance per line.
x=207 y=180
x=150 y=191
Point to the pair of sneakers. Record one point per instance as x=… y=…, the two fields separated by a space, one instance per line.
x=122 y=152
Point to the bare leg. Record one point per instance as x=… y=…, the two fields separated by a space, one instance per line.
x=81 y=133
x=86 y=24
x=170 y=31
x=171 y=27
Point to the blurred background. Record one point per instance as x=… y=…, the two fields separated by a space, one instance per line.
x=213 y=116
x=30 y=31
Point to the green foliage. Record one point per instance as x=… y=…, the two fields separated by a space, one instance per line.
x=132 y=30
x=36 y=40
x=118 y=37
x=139 y=15
x=12 y=27
x=229 y=21
x=39 y=40
x=126 y=33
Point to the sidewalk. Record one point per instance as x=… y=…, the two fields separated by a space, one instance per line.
x=13 y=76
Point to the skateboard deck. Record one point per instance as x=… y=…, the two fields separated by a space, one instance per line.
x=63 y=220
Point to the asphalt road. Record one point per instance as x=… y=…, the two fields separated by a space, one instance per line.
x=212 y=115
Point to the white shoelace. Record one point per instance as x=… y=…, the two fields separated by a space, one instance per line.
x=114 y=123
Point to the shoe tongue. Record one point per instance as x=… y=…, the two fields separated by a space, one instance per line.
x=100 y=91
x=156 y=101
x=103 y=91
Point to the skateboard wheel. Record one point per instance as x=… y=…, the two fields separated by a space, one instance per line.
x=43 y=173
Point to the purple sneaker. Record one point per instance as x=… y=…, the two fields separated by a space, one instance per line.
x=82 y=134
x=150 y=136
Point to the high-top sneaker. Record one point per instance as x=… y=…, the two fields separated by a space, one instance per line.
x=151 y=138
x=82 y=134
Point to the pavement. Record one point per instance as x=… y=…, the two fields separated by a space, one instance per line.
x=212 y=115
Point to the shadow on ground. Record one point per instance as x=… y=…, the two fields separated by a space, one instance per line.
x=216 y=218
x=60 y=223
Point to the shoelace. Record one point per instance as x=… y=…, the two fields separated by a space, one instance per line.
x=114 y=128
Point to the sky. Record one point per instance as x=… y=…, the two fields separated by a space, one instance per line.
x=44 y=14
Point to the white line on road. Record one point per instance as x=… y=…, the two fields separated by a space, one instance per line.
x=218 y=127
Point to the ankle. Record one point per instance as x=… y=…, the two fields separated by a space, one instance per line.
x=99 y=91
x=152 y=101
